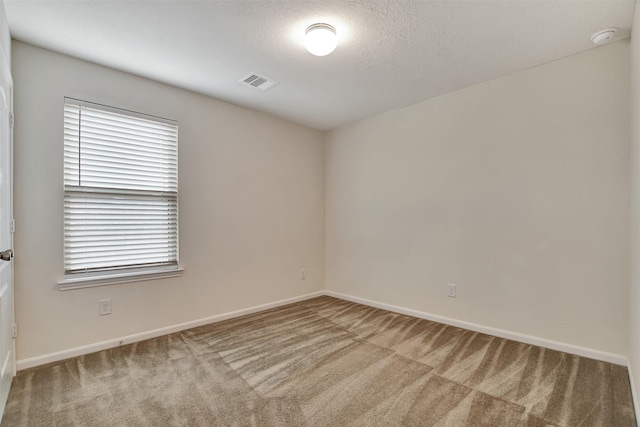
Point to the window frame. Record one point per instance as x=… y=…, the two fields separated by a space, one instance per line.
x=123 y=273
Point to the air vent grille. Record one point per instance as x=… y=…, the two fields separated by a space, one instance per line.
x=258 y=81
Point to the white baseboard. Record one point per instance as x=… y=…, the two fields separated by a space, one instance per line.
x=528 y=339
x=104 y=345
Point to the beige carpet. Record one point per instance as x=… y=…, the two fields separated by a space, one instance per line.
x=324 y=362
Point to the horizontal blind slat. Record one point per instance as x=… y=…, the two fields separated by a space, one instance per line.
x=113 y=243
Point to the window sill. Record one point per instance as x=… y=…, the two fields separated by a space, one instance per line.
x=105 y=279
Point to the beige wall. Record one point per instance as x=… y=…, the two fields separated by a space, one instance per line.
x=634 y=297
x=251 y=207
x=516 y=190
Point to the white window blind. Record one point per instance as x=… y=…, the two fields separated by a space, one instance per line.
x=120 y=189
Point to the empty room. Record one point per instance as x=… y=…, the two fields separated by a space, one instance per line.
x=319 y=213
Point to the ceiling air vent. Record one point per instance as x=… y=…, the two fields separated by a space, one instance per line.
x=260 y=82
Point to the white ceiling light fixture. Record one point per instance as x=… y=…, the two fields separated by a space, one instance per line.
x=320 y=39
x=603 y=36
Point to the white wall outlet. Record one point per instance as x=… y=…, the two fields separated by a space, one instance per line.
x=452 y=290
x=104 y=306
x=303 y=273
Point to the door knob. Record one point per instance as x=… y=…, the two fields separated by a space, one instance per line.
x=6 y=255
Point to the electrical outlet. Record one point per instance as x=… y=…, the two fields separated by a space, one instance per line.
x=104 y=306
x=452 y=290
x=303 y=274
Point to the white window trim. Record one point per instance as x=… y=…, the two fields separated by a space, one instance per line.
x=79 y=281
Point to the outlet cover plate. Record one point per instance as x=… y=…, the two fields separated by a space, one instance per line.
x=452 y=290
x=104 y=307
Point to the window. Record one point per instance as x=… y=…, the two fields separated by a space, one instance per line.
x=120 y=194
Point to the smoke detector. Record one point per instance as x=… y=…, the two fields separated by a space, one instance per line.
x=603 y=36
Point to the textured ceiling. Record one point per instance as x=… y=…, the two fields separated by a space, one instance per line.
x=391 y=53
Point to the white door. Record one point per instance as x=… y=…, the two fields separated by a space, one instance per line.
x=7 y=345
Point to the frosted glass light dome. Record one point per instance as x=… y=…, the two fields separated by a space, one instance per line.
x=320 y=39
